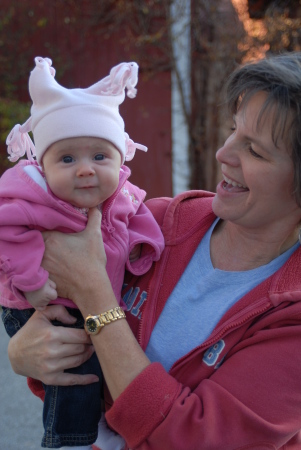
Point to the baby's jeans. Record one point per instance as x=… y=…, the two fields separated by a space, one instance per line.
x=71 y=413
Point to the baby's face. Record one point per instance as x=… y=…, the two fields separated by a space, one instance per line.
x=83 y=171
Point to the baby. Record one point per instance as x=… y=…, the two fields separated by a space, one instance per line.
x=80 y=147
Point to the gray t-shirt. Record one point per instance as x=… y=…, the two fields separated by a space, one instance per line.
x=203 y=293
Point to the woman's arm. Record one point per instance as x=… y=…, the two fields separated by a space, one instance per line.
x=81 y=275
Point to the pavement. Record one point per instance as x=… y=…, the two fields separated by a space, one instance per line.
x=20 y=411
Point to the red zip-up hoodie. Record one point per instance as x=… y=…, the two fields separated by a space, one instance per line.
x=241 y=388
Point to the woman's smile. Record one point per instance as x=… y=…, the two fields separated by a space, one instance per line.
x=231 y=183
x=232 y=186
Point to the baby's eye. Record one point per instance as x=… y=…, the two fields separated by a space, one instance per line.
x=99 y=157
x=67 y=159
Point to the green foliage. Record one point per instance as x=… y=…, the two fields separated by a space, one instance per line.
x=11 y=113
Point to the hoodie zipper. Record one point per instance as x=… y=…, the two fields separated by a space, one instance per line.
x=220 y=333
x=109 y=204
x=150 y=308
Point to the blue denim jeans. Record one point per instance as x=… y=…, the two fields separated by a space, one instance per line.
x=71 y=414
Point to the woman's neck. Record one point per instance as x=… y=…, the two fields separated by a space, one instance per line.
x=235 y=248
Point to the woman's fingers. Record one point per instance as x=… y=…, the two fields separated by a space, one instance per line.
x=50 y=369
x=72 y=337
x=60 y=313
x=53 y=370
x=43 y=351
x=70 y=379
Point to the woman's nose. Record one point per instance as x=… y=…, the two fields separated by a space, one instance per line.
x=228 y=153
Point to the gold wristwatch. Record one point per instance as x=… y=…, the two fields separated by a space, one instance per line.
x=93 y=324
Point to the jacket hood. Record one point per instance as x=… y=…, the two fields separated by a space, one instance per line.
x=182 y=211
x=286 y=283
x=14 y=181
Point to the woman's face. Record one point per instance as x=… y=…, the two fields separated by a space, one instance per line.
x=256 y=190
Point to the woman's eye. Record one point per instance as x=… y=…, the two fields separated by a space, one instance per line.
x=99 y=157
x=253 y=153
x=67 y=159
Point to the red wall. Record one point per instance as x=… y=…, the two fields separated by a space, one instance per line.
x=87 y=57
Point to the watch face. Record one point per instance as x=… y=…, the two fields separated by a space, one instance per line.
x=91 y=325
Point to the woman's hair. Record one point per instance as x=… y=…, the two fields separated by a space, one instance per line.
x=280 y=77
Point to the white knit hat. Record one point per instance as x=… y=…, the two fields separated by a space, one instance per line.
x=58 y=113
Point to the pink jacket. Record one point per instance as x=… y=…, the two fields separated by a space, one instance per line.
x=241 y=388
x=26 y=209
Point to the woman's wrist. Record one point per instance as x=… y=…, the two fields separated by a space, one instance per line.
x=120 y=356
x=97 y=298
x=117 y=348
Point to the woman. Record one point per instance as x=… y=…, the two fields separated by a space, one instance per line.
x=218 y=318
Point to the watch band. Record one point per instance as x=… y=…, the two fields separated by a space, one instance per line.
x=94 y=323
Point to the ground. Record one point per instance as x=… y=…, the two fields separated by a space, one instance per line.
x=20 y=411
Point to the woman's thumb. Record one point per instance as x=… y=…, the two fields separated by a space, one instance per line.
x=94 y=219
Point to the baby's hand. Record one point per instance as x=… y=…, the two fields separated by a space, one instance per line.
x=135 y=253
x=40 y=298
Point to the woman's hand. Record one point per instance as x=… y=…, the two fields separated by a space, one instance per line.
x=43 y=351
x=75 y=261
